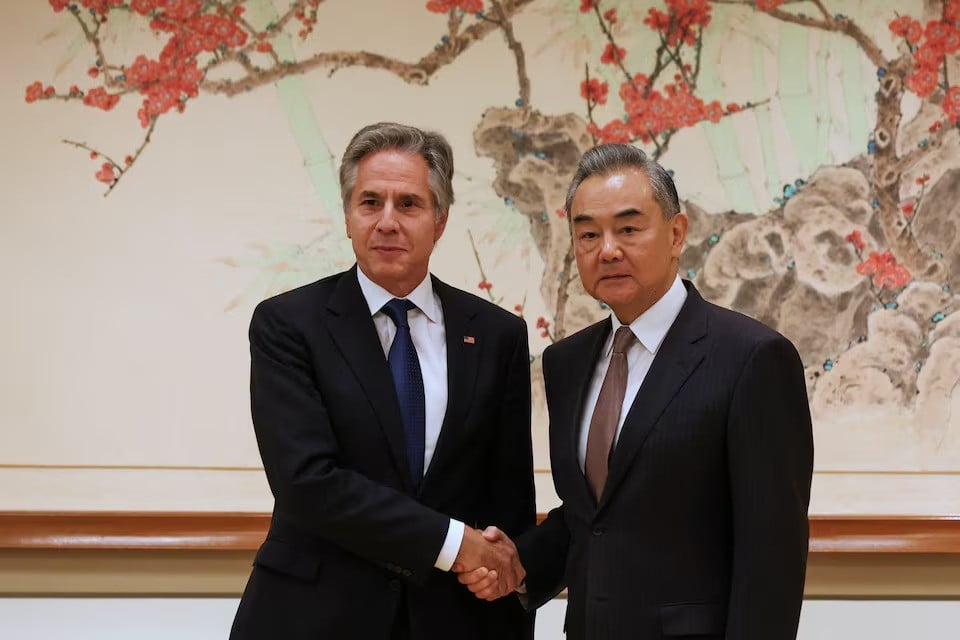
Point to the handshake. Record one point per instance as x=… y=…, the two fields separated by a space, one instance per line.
x=488 y=563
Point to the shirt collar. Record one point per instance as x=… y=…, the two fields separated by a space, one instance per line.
x=376 y=296
x=652 y=325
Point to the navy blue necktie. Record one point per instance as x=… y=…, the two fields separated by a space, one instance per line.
x=408 y=381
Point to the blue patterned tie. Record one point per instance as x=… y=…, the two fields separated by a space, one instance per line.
x=405 y=367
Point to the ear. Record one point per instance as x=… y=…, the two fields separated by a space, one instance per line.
x=441 y=225
x=678 y=233
x=346 y=223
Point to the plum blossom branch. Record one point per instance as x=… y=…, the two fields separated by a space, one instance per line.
x=484 y=285
x=614 y=49
x=517 y=49
x=418 y=72
x=205 y=35
x=563 y=293
x=112 y=176
x=934 y=141
x=838 y=23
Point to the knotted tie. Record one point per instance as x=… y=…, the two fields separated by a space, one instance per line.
x=606 y=415
x=408 y=381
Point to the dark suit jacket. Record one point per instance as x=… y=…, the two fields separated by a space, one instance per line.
x=351 y=542
x=701 y=531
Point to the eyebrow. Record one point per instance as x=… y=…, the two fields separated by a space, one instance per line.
x=626 y=213
x=373 y=194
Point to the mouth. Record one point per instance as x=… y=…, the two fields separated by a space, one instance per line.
x=614 y=277
x=389 y=249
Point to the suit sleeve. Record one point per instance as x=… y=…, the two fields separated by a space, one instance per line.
x=512 y=491
x=770 y=457
x=301 y=459
x=543 y=550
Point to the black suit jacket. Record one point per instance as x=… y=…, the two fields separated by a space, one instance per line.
x=351 y=543
x=701 y=531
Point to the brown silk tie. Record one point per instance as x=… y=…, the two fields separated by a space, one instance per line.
x=606 y=415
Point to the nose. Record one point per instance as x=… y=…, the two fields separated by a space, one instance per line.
x=387 y=223
x=610 y=248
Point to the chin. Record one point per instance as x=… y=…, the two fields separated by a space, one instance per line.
x=377 y=270
x=617 y=292
x=385 y=264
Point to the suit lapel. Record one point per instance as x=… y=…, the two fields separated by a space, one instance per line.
x=581 y=347
x=355 y=335
x=683 y=349
x=464 y=346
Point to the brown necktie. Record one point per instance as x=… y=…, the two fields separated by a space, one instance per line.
x=606 y=415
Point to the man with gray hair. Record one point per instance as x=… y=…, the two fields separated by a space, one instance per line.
x=379 y=396
x=682 y=452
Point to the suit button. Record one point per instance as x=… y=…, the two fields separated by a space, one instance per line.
x=394 y=585
x=599 y=530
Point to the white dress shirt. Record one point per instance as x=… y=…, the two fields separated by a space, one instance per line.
x=650 y=328
x=430 y=340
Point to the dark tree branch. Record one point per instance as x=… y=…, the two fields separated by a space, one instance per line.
x=522 y=78
x=841 y=25
x=414 y=73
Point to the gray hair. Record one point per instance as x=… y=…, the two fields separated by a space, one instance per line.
x=604 y=159
x=383 y=136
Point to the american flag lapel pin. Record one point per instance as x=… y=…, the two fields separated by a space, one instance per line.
x=469 y=340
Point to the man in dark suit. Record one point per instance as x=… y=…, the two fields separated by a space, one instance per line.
x=682 y=452
x=380 y=396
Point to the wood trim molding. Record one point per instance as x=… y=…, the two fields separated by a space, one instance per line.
x=887 y=534
x=212 y=531
x=175 y=531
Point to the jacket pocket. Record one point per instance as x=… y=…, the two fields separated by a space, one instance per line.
x=287 y=559
x=693 y=619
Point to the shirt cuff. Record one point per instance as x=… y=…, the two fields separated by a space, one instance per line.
x=451 y=546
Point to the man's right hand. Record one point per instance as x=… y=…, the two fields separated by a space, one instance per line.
x=488 y=563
